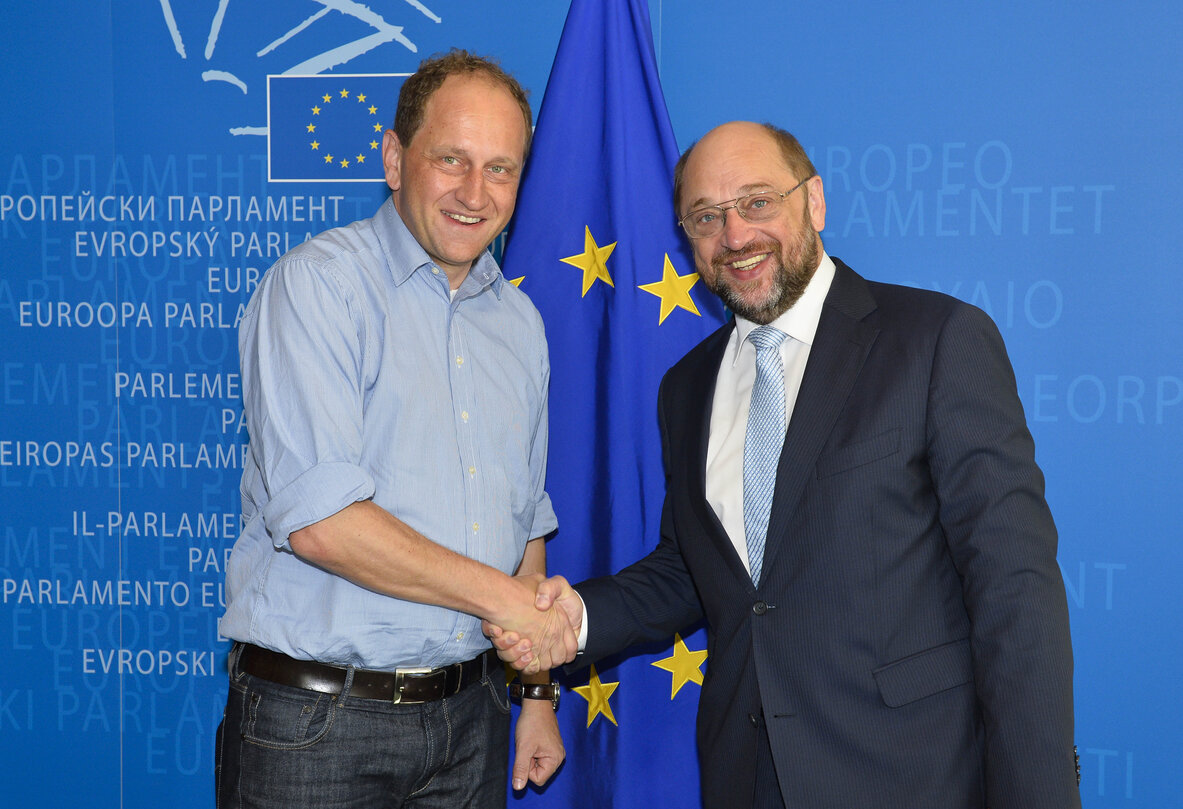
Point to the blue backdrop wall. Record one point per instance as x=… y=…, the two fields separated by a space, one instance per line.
x=1024 y=157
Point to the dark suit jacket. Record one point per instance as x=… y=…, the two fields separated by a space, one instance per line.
x=908 y=644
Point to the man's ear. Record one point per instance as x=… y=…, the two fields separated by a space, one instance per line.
x=817 y=202
x=392 y=154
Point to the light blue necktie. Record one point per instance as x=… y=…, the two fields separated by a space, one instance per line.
x=763 y=441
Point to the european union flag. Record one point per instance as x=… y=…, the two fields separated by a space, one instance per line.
x=328 y=128
x=596 y=239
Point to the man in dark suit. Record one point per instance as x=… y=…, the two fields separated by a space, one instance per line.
x=904 y=641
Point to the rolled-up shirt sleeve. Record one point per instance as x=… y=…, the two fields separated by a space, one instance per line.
x=302 y=353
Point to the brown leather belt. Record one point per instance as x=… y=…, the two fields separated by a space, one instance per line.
x=402 y=686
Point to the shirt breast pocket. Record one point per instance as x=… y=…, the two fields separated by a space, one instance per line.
x=860 y=453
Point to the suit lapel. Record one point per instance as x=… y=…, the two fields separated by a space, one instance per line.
x=840 y=347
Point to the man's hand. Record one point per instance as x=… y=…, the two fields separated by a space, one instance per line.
x=546 y=630
x=518 y=648
x=538 y=747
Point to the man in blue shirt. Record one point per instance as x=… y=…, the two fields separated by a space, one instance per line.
x=395 y=389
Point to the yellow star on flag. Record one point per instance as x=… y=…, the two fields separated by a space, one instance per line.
x=593 y=261
x=683 y=664
x=517 y=282
x=597 y=694
x=673 y=289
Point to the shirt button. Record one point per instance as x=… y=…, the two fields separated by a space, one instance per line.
x=460 y=636
x=459 y=361
x=759 y=608
x=464 y=416
x=436 y=271
x=476 y=526
x=471 y=471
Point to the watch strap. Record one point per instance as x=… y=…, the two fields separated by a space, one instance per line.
x=548 y=691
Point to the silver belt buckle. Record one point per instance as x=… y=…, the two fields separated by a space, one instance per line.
x=399 y=684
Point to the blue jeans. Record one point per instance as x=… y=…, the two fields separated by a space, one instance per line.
x=286 y=748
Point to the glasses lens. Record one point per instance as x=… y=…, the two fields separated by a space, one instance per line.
x=758 y=207
x=703 y=222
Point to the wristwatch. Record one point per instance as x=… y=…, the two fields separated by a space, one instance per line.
x=520 y=691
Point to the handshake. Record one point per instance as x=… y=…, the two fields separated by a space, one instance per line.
x=540 y=631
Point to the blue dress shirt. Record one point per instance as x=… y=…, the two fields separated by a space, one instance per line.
x=364 y=378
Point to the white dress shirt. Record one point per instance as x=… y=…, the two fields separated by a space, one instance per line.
x=733 y=396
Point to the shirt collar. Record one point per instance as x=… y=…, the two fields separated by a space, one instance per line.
x=800 y=320
x=405 y=256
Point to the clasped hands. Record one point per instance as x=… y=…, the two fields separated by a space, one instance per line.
x=541 y=632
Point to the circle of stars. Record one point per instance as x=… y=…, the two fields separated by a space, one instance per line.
x=376 y=128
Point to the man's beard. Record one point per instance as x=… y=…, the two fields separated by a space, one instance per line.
x=791 y=275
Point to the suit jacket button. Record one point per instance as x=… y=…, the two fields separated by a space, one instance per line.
x=755 y=720
x=760 y=608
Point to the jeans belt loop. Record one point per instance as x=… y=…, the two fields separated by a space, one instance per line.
x=399 y=683
x=232 y=660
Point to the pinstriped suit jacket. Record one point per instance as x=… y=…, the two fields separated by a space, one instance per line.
x=908 y=644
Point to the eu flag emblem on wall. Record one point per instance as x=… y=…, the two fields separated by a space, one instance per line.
x=328 y=128
x=596 y=246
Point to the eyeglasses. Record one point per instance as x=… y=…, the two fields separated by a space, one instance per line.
x=759 y=207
